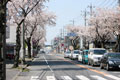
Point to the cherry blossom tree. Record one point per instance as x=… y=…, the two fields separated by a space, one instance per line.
x=18 y=10
x=101 y=31
x=35 y=22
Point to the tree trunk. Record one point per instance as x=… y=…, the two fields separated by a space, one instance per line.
x=2 y=39
x=102 y=45
x=29 y=47
x=18 y=46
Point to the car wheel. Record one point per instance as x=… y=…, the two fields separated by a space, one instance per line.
x=83 y=61
x=92 y=64
x=101 y=66
x=88 y=63
x=107 y=67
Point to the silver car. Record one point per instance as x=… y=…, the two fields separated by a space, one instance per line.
x=74 y=54
x=67 y=54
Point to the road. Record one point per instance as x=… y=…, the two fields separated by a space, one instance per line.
x=56 y=67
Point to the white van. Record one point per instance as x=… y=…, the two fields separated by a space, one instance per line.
x=94 y=56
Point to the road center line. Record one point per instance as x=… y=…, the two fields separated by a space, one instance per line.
x=45 y=60
x=48 y=65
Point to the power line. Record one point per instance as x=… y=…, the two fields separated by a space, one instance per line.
x=103 y=3
x=111 y=3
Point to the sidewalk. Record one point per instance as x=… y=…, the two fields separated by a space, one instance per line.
x=10 y=72
x=36 y=69
x=13 y=73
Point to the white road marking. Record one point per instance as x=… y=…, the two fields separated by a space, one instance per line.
x=113 y=77
x=34 y=78
x=66 y=78
x=81 y=77
x=45 y=60
x=50 y=68
x=49 y=65
x=98 y=77
x=50 y=78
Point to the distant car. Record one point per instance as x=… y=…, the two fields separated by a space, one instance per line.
x=85 y=56
x=67 y=54
x=74 y=54
x=80 y=56
x=110 y=61
x=10 y=55
x=94 y=56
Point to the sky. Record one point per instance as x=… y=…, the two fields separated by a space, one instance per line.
x=68 y=10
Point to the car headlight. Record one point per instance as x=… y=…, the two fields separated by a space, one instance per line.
x=111 y=62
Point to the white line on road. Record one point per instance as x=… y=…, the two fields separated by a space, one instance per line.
x=49 y=65
x=34 y=78
x=98 y=77
x=113 y=77
x=45 y=60
x=50 y=78
x=81 y=77
x=66 y=78
x=50 y=68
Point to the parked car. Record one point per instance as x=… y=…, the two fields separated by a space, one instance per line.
x=80 y=56
x=110 y=61
x=74 y=54
x=85 y=56
x=67 y=54
x=94 y=56
x=10 y=55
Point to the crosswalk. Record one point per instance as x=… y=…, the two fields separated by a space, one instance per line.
x=79 y=77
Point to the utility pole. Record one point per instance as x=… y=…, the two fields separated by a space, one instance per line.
x=23 y=44
x=3 y=39
x=91 y=9
x=118 y=33
x=73 y=22
x=85 y=17
x=83 y=43
x=119 y=3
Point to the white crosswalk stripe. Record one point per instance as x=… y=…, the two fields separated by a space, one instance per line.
x=34 y=78
x=51 y=78
x=81 y=77
x=66 y=78
x=113 y=77
x=97 y=77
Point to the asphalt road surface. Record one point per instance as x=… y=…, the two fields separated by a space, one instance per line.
x=56 y=67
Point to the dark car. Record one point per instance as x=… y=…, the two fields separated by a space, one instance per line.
x=110 y=61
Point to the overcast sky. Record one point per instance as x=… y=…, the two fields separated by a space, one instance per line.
x=67 y=10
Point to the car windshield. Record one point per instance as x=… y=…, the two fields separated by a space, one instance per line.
x=68 y=52
x=114 y=56
x=99 y=51
x=85 y=52
x=76 y=52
